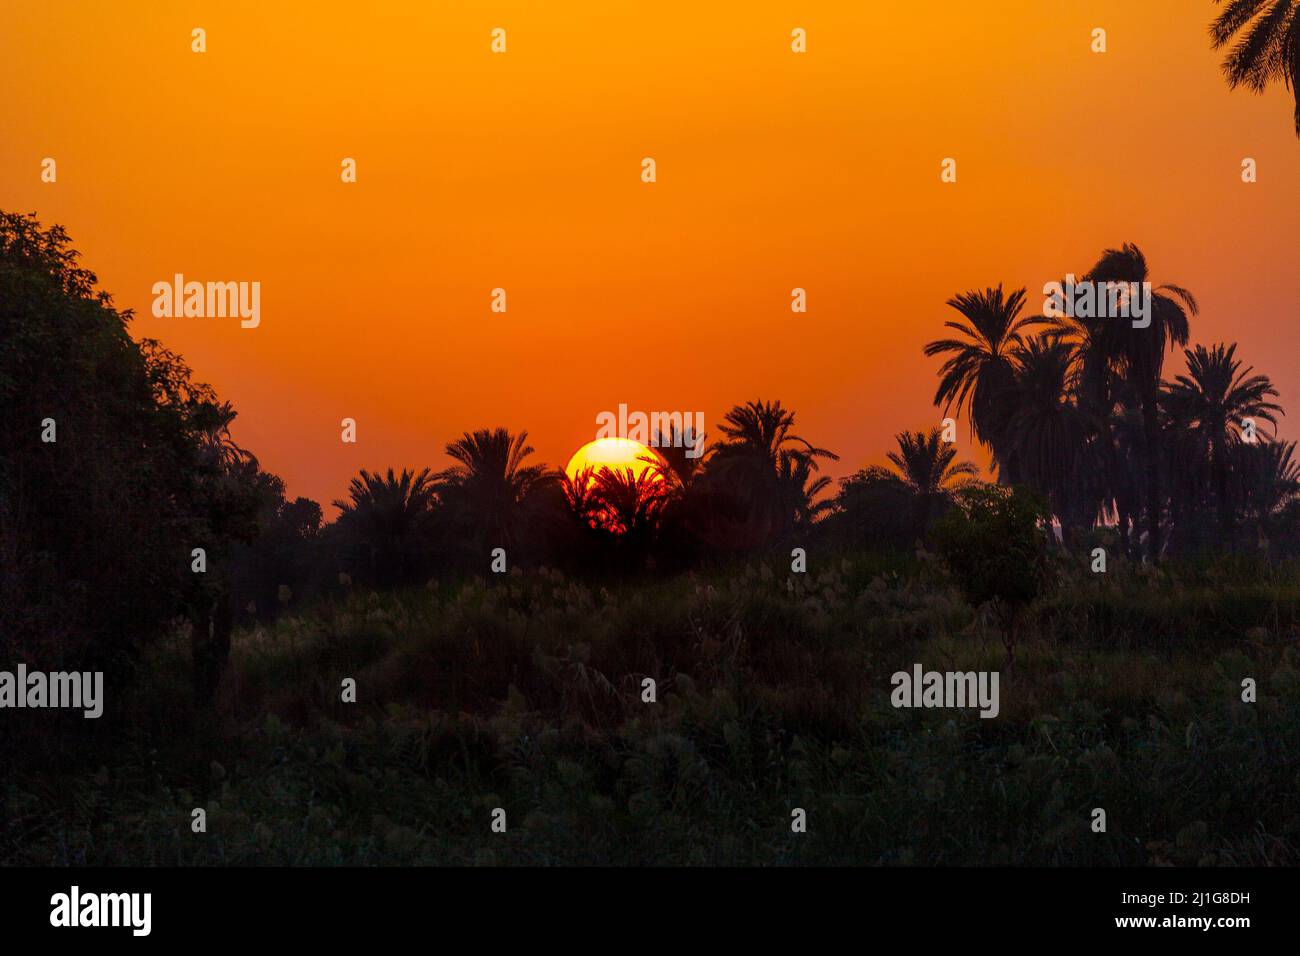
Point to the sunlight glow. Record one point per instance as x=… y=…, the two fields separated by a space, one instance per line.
x=617 y=453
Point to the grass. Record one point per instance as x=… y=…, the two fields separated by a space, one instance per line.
x=525 y=693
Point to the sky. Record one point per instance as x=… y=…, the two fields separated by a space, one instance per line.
x=522 y=171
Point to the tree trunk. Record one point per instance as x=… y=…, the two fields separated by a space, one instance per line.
x=1151 y=430
x=212 y=621
x=1226 y=528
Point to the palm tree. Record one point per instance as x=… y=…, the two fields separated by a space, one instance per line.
x=387 y=518
x=212 y=421
x=1124 y=478
x=1269 y=475
x=763 y=430
x=489 y=485
x=1046 y=428
x=1268 y=48
x=580 y=495
x=927 y=471
x=631 y=502
x=800 y=491
x=1102 y=475
x=980 y=368
x=671 y=462
x=1210 y=403
x=757 y=460
x=1140 y=353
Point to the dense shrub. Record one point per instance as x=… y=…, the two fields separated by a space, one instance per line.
x=995 y=544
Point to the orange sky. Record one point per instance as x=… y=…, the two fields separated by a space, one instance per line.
x=522 y=171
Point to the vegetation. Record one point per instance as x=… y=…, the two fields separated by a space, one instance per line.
x=527 y=690
x=996 y=548
x=1267 y=47
x=1081 y=414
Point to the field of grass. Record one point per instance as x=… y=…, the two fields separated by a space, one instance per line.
x=524 y=692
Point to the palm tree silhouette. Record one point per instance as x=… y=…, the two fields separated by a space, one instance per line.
x=1045 y=428
x=1209 y=404
x=631 y=502
x=389 y=502
x=580 y=494
x=980 y=368
x=758 y=459
x=1124 y=480
x=670 y=462
x=1103 y=475
x=1268 y=48
x=927 y=471
x=763 y=430
x=1269 y=476
x=386 y=516
x=1140 y=353
x=212 y=421
x=489 y=485
x=800 y=491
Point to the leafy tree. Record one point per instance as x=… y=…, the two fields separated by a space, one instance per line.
x=995 y=544
x=98 y=526
x=875 y=508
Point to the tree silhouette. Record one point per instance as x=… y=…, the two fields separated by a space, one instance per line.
x=1104 y=472
x=631 y=502
x=1268 y=45
x=670 y=462
x=927 y=470
x=980 y=367
x=98 y=527
x=1208 y=406
x=1269 y=478
x=1141 y=354
x=488 y=490
x=800 y=491
x=759 y=456
x=387 y=519
x=1045 y=427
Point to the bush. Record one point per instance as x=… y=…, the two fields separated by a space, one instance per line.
x=995 y=545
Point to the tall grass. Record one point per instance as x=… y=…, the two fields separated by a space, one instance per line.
x=525 y=693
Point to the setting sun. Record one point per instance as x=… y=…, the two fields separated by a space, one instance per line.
x=615 y=453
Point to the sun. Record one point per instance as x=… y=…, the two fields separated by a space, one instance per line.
x=616 y=453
